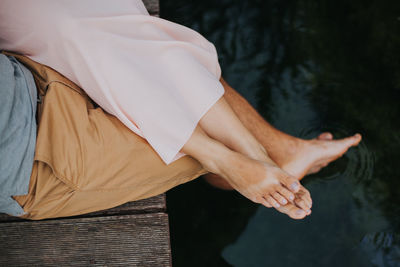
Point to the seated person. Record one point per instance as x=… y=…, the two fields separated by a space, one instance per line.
x=85 y=159
x=160 y=89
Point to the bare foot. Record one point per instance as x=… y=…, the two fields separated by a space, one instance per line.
x=302 y=157
x=309 y=156
x=291 y=209
x=300 y=207
x=262 y=182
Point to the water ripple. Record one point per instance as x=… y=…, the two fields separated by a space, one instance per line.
x=361 y=160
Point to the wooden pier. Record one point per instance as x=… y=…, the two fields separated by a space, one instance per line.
x=134 y=234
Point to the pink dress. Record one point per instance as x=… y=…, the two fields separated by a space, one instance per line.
x=158 y=77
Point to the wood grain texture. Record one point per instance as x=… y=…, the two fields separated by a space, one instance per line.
x=129 y=240
x=153 y=204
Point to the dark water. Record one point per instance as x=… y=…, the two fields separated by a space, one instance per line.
x=307 y=66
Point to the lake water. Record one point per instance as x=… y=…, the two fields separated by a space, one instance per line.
x=307 y=67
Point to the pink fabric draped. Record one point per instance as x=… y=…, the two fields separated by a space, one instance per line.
x=158 y=77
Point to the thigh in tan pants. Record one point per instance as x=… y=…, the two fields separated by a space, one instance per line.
x=86 y=160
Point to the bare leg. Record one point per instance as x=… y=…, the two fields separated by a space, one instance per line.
x=285 y=149
x=259 y=181
x=222 y=124
x=296 y=156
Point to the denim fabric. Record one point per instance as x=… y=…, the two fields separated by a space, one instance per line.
x=17 y=132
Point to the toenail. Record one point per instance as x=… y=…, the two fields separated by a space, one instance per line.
x=284 y=202
x=277 y=205
x=294 y=186
x=291 y=197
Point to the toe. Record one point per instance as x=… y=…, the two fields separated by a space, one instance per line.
x=278 y=197
x=325 y=136
x=302 y=204
x=357 y=138
x=305 y=195
x=291 y=183
x=265 y=203
x=286 y=193
x=292 y=211
x=272 y=201
x=351 y=140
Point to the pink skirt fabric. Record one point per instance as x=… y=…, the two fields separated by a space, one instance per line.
x=158 y=77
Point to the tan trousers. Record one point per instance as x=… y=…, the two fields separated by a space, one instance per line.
x=86 y=160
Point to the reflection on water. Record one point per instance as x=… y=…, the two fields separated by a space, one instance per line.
x=308 y=67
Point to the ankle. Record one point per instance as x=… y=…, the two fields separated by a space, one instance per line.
x=285 y=149
x=213 y=156
x=252 y=149
x=221 y=162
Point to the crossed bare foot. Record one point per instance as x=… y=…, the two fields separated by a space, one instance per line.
x=261 y=181
x=309 y=157
x=252 y=173
x=304 y=157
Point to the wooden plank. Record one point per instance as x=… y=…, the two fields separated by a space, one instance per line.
x=153 y=204
x=129 y=240
x=153 y=7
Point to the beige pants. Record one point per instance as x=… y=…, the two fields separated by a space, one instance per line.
x=86 y=160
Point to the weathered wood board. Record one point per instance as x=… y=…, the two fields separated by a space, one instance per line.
x=153 y=204
x=128 y=240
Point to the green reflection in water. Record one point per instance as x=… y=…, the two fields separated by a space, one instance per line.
x=307 y=66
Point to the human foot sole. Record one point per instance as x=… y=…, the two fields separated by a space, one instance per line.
x=312 y=155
